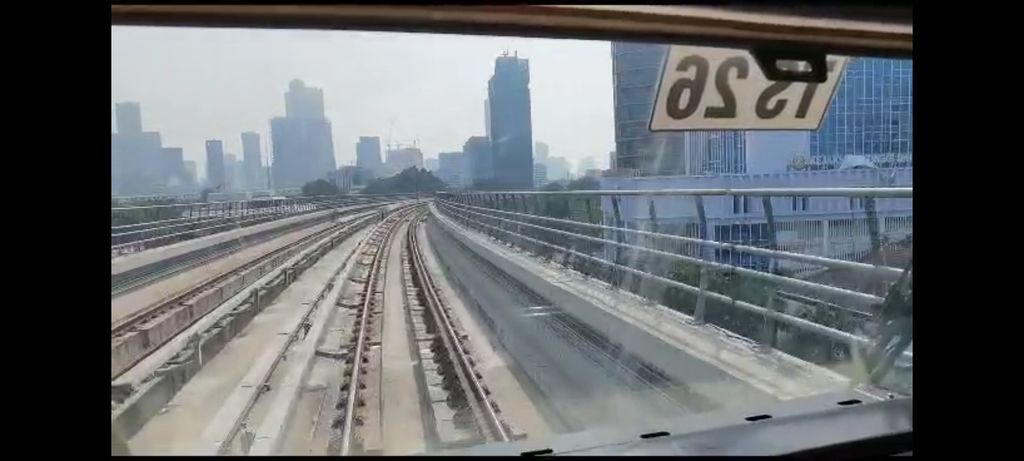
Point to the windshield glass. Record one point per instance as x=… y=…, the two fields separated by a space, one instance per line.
x=340 y=242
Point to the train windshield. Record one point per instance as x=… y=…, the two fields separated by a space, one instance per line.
x=335 y=242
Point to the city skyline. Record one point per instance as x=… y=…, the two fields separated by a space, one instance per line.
x=200 y=84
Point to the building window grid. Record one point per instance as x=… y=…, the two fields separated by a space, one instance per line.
x=869 y=111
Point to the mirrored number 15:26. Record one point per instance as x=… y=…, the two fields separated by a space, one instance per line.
x=767 y=106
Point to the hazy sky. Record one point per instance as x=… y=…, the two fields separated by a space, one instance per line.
x=199 y=84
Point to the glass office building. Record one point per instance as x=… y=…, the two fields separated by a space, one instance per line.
x=636 y=70
x=871 y=113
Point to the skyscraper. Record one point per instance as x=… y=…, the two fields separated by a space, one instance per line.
x=231 y=177
x=303 y=149
x=403 y=158
x=635 y=72
x=540 y=152
x=452 y=168
x=508 y=93
x=135 y=156
x=129 y=117
x=479 y=161
x=368 y=155
x=190 y=173
x=215 y=165
x=636 y=68
x=540 y=175
x=303 y=101
x=252 y=158
x=487 y=118
x=173 y=167
x=558 y=168
x=586 y=163
x=871 y=113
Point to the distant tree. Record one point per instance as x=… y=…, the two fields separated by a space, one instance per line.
x=411 y=180
x=553 y=187
x=319 y=187
x=799 y=163
x=584 y=183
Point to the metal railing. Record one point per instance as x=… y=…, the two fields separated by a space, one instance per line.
x=600 y=244
x=165 y=224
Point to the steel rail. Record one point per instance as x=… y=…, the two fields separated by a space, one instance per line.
x=369 y=297
x=467 y=376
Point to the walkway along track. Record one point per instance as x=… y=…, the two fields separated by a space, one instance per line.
x=136 y=336
x=476 y=418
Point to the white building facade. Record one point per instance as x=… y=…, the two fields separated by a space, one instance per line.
x=834 y=227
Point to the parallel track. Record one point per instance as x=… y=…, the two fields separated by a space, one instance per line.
x=127 y=283
x=149 y=243
x=380 y=238
x=128 y=324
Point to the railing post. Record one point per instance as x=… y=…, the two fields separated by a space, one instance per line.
x=876 y=239
x=702 y=226
x=702 y=299
x=771 y=328
x=619 y=235
x=652 y=214
x=772 y=239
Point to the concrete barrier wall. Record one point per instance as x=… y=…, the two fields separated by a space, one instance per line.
x=125 y=350
x=715 y=384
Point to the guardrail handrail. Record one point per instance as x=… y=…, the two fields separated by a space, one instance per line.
x=880 y=192
x=861 y=299
x=887 y=271
x=457 y=205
